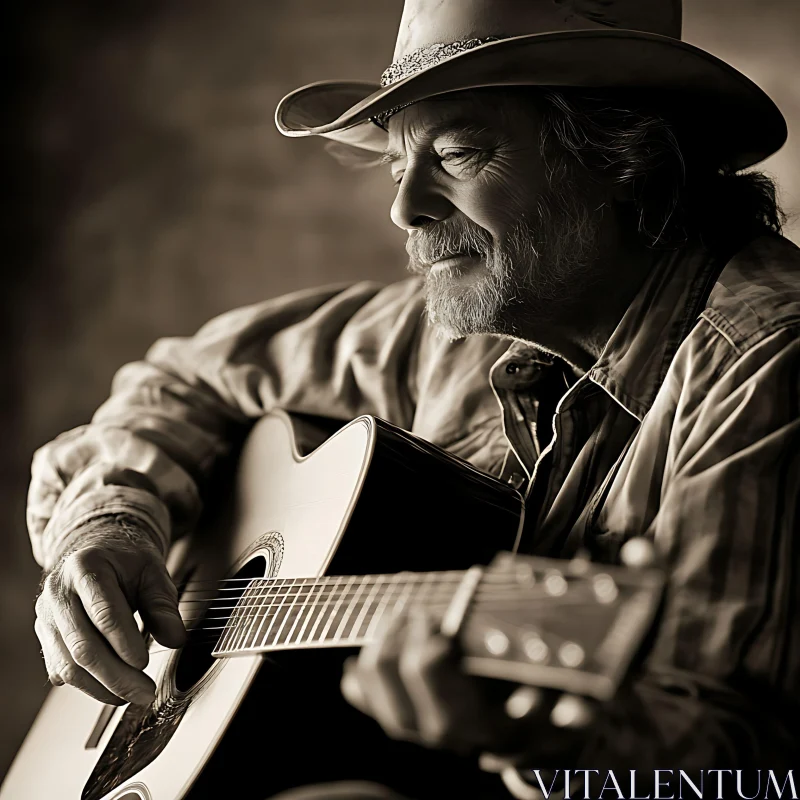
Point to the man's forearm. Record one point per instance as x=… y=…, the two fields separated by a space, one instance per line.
x=153 y=445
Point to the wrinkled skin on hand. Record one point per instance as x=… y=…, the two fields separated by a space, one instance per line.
x=84 y=614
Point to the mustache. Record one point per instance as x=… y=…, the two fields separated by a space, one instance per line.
x=450 y=237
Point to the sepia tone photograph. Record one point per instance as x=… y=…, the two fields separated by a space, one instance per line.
x=402 y=400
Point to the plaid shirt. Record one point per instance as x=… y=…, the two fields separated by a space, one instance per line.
x=686 y=430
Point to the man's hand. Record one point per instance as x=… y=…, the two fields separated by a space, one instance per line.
x=409 y=680
x=84 y=615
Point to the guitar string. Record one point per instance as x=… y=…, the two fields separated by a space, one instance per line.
x=449 y=575
x=277 y=580
x=367 y=580
x=205 y=630
x=254 y=610
x=511 y=587
x=329 y=584
x=399 y=600
x=496 y=604
x=213 y=635
x=513 y=593
x=326 y=587
x=274 y=592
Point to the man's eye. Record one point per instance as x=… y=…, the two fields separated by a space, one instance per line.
x=456 y=155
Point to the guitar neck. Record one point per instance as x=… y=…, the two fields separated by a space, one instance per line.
x=337 y=611
x=572 y=626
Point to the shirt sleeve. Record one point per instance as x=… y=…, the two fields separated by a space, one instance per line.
x=337 y=352
x=721 y=684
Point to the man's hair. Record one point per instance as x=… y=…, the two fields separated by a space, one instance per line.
x=679 y=189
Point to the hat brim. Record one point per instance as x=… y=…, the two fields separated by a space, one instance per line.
x=724 y=105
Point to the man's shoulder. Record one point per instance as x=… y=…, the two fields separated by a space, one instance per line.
x=757 y=293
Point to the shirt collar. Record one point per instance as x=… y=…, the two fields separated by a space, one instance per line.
x=636 y=358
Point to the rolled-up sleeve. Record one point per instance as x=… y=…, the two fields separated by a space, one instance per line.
x=337 y=352
x=721 y=685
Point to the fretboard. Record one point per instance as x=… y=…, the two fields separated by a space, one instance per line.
x=329 y=612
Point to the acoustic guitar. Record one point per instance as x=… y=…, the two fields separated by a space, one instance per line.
x=321 y=543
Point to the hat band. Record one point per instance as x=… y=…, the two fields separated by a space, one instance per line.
x=428 y=56
x=420 y=59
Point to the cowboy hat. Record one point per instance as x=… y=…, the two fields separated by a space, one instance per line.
x=629 y=45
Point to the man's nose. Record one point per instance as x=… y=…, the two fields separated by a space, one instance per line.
x=419 y=200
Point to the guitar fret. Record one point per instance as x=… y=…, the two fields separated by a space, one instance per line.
x=356 y=627
x=268 y=592
x=265 y=592
x=426 y=585
x=351 y=606
x=312 y=609
x=241 y=617
x=404 y=596
x=336 y=608
x=320 y=616
x=272 y=613
x=302 y=607
x=288 y=612
x=283 y=595
x=383 y=605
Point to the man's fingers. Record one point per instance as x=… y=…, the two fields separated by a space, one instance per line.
x=61 y=668
x=443 y=698
x=572 y=712
x=158 y=605
x=351 y=686
x=377 y=674
x=105 y=604
x=525 y=701
x=92 y=653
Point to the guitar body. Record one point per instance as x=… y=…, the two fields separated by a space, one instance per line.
x=371 y=499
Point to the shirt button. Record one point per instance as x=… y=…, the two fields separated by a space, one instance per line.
x=516 y=479
x=512 y=368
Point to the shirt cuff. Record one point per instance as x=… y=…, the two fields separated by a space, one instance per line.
x=66 y=526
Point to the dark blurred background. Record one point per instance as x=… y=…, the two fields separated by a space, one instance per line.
x=148 y=190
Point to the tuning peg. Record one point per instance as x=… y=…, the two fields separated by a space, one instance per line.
x=535 y=648
x=496 y=642
x=571 y=654
x=555 y=584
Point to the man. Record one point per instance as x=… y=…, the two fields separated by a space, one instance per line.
x=603 y=313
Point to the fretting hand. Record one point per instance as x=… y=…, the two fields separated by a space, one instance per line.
x=409 y=680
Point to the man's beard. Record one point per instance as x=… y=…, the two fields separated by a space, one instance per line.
x=531 y=278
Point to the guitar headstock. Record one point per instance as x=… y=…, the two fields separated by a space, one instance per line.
x=574 y=626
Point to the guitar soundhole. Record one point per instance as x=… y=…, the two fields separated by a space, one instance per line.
x=195 y=659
